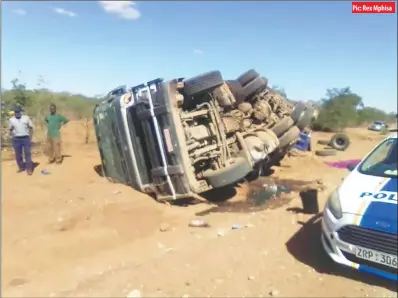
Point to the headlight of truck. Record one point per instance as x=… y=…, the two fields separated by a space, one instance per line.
x=334 y=206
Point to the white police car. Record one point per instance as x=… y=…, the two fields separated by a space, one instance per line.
x=359 y=226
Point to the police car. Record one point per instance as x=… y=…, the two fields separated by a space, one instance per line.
x=359 y=225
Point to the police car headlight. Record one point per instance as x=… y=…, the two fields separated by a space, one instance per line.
x=334 y=205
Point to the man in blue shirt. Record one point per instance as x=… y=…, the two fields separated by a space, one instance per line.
x=21 y=128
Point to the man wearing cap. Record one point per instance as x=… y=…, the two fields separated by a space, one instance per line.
x=21 y=129
x=54 y=123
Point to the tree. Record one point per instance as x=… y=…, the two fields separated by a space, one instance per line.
x=342 y=108
x=338 y=110
x=20 y=96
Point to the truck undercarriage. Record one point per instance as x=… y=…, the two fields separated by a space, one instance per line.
x=185 y=137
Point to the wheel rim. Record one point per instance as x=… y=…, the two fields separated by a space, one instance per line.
x=340 y=142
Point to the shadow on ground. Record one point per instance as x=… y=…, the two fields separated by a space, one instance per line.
x=307 y=248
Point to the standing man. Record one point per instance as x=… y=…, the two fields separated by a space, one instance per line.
x=21 y=129
x=54 y=123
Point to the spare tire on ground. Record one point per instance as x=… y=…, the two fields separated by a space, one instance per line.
x=327 y=152
x=236 y=170
x=247 y=77
x=340 y=142
x=203 y=83
x=324 y=142
x=257 y=85
x=289 y=137
x=281 y=127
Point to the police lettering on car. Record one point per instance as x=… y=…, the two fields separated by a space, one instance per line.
x=380 y=195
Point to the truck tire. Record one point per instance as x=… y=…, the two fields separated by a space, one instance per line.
x=327 y=152
x=323 y=142
x=340 y=142
x=273 y=135
x=203 y=83
x=268 y=138
x=257 y=85
x=298 y=110
x=281 y=127
x=306 y=118
x=228 y=175
x=289 y=137
x=247 y=77
x=236 y=90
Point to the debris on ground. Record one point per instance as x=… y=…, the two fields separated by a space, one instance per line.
x=134 y=294
x=340 y=141
x=274 y=293
x=164 y=227
x=324 y=142
x=343 y=164
x=326 y=152
x=309 y=200
x=220 y=233
x=198 y=223
x=268 y=191
x=304 y=141
x=251 y=277
x=45 y=172
x=294 y=152
x=235 y=227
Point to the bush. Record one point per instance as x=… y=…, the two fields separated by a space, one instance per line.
x=35 y=103
x=342 y=108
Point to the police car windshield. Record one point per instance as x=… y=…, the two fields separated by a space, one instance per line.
x=382 y=161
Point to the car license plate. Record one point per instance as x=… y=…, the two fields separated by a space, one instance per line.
x=376 y=257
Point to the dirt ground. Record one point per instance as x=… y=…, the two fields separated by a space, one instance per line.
x=72 y=233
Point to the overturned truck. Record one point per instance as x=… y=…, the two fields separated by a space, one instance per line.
x=183 y=137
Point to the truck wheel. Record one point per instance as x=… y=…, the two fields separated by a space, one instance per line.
x=298 y=110
x=203 y=83
x=324 y=142
x=327 y=152
x=281 y=127
x=306 y=118
x=273 y=136
x=255 y=86
x=236 y=90
x=237 y=169
x=247 y=77
x=340 y=142
x=289 y=137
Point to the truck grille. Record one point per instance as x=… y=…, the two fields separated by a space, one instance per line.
x=368 y=238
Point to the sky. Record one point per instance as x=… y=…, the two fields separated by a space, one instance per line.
x=303 y=47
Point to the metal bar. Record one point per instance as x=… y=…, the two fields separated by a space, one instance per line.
x=160 y=141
